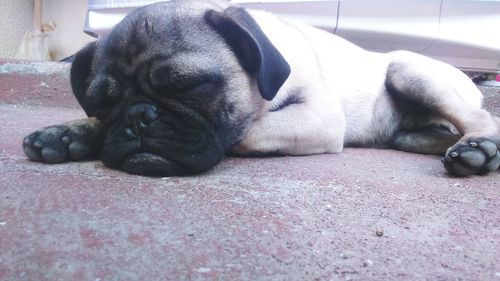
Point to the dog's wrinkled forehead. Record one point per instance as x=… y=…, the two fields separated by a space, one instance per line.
x=162 y=28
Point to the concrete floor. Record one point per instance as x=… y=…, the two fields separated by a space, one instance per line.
x=361 y=215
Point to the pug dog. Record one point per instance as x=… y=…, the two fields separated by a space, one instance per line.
x=177 y=85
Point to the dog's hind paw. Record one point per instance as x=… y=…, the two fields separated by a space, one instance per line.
x=61 y=143
x=473 y=156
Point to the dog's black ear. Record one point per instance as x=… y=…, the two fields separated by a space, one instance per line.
x=80 y=72
x=256 y=53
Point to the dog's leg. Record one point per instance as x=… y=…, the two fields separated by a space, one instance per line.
x=426 y=140
x=447 y=92
x=298 y=129
x=70 y=141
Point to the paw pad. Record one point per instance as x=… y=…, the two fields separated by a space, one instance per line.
x=57 y=144
x=475 y=156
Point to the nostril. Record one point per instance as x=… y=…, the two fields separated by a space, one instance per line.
x=128 y=120
x=141 y=115
x=130 y=133
x=150 y=114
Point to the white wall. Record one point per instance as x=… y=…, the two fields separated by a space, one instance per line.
x=69 y=16
x=16 y=18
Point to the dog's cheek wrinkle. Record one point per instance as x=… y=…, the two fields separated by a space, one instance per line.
x=290 y=100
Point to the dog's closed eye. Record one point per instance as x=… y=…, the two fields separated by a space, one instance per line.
x=173 y=84
x=185 y=83
x=166 y=81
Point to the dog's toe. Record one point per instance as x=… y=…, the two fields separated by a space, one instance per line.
x=33 y=152
x=78 y=150
x=475 y=156
x=53 y=155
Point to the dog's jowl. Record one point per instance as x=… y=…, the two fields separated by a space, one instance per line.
x=177 y=85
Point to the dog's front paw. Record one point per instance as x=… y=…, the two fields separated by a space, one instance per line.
x=474 y=156
x=60 y=143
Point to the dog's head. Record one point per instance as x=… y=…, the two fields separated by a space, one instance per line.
x=176 y=84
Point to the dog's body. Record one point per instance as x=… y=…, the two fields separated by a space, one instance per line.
x=209 y=67
x=326 y=81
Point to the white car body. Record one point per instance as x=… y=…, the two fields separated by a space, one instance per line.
x=464 y=33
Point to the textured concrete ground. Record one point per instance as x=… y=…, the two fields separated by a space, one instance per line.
x=361 y=215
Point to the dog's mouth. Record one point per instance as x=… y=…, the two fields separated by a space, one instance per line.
x=149 y=164
x=170 y=144
x=162 y=157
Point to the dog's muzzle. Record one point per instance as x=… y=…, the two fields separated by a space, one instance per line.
x=147 y=140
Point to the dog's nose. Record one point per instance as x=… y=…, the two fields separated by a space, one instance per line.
x=139 y=116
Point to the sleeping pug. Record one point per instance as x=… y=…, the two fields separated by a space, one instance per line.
x=177 y=85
